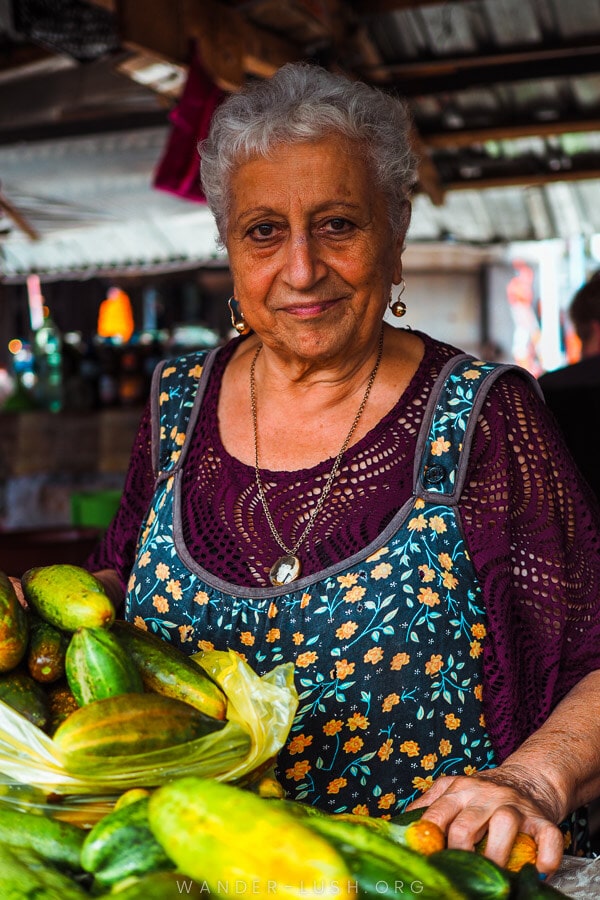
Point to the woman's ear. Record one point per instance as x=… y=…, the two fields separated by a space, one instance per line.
x=399 y=242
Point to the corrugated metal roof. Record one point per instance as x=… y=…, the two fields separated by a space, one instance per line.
x=505 y=96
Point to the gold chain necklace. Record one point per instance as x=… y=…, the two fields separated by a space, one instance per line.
x=287 y=568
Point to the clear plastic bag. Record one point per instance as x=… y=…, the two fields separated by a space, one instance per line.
x=259 y=716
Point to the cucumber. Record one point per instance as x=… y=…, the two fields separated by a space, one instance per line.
x=127 y=725
x=20 y=691
x=166 y=670
x=121 y=845
x=375 y=860
x=420 y=835
x=477 y=876
x=61 y=702
x=97 y=667
x=68 y=597
x=527 y=886
x=56 y=842
x=14 y=626
x=161 y=886
x=46 y=651
x=25 y=875
x=217 y=833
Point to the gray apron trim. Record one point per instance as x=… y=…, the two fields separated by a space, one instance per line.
x=207 y=362
x=434 y=397
x=260 y=593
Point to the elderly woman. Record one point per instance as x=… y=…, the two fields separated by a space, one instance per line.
x=398 y=519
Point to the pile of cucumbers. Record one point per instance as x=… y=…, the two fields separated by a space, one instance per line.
x=199 y=837
x=106 y=690
x=100 y=687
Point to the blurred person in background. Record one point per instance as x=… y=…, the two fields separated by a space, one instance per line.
x=573 y=392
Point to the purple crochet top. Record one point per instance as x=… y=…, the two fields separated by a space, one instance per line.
x=531 y=525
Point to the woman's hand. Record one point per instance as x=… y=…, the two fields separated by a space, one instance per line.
x=499 y=803
x=16 y=583
x=554 y=771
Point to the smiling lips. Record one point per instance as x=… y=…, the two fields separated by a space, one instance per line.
x=310 y=308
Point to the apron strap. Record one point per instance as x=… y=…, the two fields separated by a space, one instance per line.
x=446 y=434
x=176 y=395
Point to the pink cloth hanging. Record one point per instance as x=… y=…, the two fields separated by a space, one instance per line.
x=178 y=171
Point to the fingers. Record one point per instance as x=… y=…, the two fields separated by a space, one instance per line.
x=550 y=847
x=16 y=583
x=467 y=808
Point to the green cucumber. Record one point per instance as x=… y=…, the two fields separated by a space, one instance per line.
x=57 y=842
x=478 y=876
x=25 y=875
x=526 y=885
x=377 y=863
x=97 y=667
x=26 y=696
x=68 y=597
x=14 y=626
x=121 y=845
x=166 y=670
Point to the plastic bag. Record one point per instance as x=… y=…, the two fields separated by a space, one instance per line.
x=259 y=716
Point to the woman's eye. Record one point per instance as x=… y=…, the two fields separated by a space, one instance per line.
x=264 y=230
x=338 y=225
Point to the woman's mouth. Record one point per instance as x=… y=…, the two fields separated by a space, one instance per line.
x=310 y=308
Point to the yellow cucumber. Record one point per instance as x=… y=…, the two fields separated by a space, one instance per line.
x=166 y=670
x=61 y=703
x=159 y=886
x=219 y=834
x=68 y=597
x=129 y=724
x=14 y=626
x=46 y=651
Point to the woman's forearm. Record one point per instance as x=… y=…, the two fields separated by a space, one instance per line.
x=559 y=764
x=112 y=585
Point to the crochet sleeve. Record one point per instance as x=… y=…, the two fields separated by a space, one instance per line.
x=117 y=548
x=532 y=526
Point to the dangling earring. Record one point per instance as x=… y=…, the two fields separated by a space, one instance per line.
x=398 y=307
x=237 y=317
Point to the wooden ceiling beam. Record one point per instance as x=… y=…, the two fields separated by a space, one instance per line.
x=522 y=180
x=447 y=74
x=466 y=137
x=375 y=7
x=229 y=45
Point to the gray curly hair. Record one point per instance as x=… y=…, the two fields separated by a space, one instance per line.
x=303 y=102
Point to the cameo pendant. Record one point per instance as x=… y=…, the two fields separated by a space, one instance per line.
x=286 y=569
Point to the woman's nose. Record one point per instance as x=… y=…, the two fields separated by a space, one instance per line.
x=304 y=266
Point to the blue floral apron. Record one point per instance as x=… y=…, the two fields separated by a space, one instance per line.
x=387 y=645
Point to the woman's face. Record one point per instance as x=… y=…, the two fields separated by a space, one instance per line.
x=310 y=248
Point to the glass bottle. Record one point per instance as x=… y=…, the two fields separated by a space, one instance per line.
x=47 y=352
